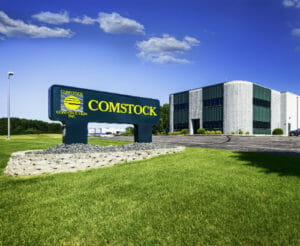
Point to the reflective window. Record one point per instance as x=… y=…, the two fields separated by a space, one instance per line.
x=262 y=103
x=261 y=125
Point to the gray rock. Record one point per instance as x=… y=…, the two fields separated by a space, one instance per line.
x=90 y=148
x=63 y=158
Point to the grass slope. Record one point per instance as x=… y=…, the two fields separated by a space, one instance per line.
x=199 y=197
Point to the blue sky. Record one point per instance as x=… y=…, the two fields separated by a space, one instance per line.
x=144 y=48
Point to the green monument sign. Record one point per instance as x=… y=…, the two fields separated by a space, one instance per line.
x=76 y=107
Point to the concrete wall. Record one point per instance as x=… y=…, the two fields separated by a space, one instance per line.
x=292 y=104
x=195 y=108
x=298 y=109
x=275 y=110
x=283 y=112
x=238 y=106
x=171 y=105
x=289 y=111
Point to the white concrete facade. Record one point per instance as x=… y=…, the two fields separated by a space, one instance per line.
x=290 y=111
x=238 y=110
x=275 y=109
x=195 y=108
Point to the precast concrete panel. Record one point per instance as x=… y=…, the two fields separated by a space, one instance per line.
x=171 y=105
x=292 y=114
x=195 y=108
x=275 y=110
x=283 y=112
x=238 y=106
x=289 y=111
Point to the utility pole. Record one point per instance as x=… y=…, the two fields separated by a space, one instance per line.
x=8 y=106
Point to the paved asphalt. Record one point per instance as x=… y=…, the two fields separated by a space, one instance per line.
x=270 y=144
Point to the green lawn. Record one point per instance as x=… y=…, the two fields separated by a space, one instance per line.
x=199 y=197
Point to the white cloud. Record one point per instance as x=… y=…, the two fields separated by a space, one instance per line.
x=18 y=28
x=191 y=40
x=53 y=18
x=109 y=23
x=296 y=32
x=165 y=49
x=115 y=23
x=86 y=20
x=291 y=3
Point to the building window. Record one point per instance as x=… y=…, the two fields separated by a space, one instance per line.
x=181 y=111
x=261 y=102
x=261 y=110
x=213 y=125
x=213 y=102
x=212 y=113
x=261 y=125
x=182 y=106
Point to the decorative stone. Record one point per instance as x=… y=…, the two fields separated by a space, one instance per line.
x=71 y=158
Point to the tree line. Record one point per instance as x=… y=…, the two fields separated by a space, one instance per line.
x=24 y=126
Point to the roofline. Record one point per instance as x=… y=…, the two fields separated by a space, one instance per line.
x=227 y=82
x=289 y=92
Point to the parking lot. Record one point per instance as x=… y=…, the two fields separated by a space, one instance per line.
x=270 y=144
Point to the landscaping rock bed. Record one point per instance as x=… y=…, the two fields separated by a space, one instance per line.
x=71 y=158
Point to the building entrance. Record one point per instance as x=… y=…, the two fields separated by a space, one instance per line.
x=196 y=125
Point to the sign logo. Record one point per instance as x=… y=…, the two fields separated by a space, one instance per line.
x=71 y=101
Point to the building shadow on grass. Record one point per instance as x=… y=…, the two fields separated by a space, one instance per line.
x=272 y=162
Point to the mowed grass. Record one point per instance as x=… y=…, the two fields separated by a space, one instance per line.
x=199 y=197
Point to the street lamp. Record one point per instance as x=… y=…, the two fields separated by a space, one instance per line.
x=8 y=106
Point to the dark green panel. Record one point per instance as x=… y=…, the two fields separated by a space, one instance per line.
x=181 y=111
x=261 y=93
x=261 y=114
x=261 y=131
x=214 y=91
x=261 y=110
x=213 y=107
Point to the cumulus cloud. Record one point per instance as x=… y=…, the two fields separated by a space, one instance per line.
x=109 y=23
x=18 y=28
x=291 y=3
x=86 y=20
x=296 y=32
x=166 y=49
x=53 y=18
x=115 y=23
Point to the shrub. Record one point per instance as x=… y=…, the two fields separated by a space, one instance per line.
x=247 y=132
x=128 y=132
x=213 y=132
x=241 y=132
x=232 y=132
x=201 y=131
x=174 y=133
x=219 y=132
x=185 y=131
x=277 y=131
x=207 y=132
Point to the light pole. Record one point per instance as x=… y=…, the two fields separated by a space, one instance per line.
x=8 y=106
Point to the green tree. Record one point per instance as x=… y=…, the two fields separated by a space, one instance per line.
x=163 y=120
x=24 y=126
